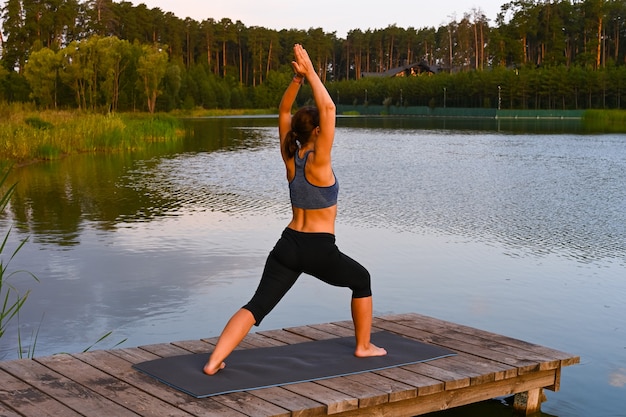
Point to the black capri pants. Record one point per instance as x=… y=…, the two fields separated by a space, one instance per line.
x=315 y=254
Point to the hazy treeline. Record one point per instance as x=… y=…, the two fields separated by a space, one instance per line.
x=105 y=55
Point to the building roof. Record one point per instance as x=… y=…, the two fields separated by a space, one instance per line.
x=405 y=70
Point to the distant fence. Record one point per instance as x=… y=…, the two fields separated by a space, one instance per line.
x=539 y=114
x=459 y=112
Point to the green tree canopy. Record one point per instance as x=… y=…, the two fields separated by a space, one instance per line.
x=223 y=63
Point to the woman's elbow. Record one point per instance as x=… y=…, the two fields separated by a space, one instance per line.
x=329 y=107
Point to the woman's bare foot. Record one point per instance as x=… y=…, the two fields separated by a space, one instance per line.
x=370 y=350
x=212 y=370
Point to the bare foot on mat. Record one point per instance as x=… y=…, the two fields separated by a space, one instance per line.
x=371 y=350
x=209 y=370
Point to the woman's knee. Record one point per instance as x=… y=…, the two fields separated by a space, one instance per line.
x=362 y=287
x=257 y=312
x=276 y=280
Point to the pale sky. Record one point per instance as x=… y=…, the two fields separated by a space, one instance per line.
x=331 y=15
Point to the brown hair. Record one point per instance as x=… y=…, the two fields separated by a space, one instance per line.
x=302 y=125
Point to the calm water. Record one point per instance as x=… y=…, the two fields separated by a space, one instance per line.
x=518 y=233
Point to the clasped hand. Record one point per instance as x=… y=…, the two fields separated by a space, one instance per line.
x=302 y=65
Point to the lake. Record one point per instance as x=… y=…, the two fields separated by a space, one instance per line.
x=513 y=227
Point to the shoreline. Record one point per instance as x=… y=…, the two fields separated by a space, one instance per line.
x=30 y=136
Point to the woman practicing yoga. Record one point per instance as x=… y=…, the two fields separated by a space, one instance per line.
x=307 y=245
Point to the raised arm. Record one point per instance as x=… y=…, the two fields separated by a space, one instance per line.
x=323 y=102
x=284 y=109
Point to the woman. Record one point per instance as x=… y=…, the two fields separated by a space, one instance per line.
x=308 y=243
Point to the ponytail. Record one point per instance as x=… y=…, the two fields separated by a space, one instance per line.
x=291 y=144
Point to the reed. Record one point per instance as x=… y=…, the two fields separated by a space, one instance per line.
x=27 y=135
x=608 y=121
x=11 y=300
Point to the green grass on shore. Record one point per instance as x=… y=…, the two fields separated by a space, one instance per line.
x=608 y=121
x=27 y=134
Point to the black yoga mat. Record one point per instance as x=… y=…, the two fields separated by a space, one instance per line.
x=251 y=369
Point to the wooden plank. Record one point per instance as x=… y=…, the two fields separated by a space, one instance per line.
x=110 y=387
x=251 y=405
x=500 y=370
x=165 y=350
x=297 y=405
x=545 y=362
x=454 y=398
x=368 y=396
x=195 y=346
x=6 y=412
x=208 y=407
x=396 y=390
x=288 y=338
x=523 y=365
x=451 y=379
x=344 y=324
x=132 y=355
x=424 y=385
x=310 y=332
x=121 y=369
x=258 y=340
x=211 y=340
x=28 y=400
x=334 y=401
x=343 y=330
x=68 y=392
x=461 y=365
x=557 y=383
x=437 y=325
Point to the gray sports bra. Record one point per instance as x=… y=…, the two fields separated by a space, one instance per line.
x=305 y=195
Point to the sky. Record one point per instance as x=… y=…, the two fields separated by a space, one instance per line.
x=338 y=16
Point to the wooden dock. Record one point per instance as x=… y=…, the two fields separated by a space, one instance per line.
x=102 y=383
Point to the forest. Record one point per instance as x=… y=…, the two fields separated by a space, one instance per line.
x=101 y=55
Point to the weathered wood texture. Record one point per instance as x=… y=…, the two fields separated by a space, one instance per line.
x=101 y=383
